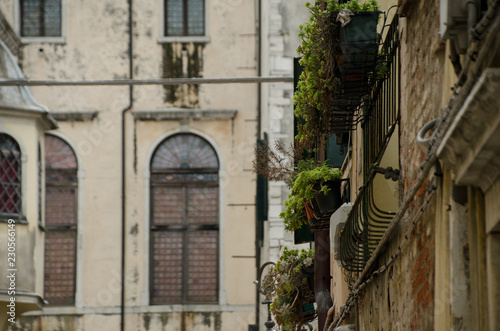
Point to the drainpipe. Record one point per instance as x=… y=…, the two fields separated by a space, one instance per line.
x=124 y=111
x=322 y=275
x=259 y=133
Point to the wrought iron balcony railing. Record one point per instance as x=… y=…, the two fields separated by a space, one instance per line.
x=368 y=220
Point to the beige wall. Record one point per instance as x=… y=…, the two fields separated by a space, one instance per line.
x=27 y=130
x=95 y=48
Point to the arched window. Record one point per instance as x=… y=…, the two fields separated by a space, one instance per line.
x=184 y=226
x=60 y=221
x=10 y=178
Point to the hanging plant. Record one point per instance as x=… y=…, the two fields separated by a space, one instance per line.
x=319 y=84
x=311 y=179
x=290 y=285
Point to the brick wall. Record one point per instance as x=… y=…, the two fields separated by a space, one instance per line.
x=402 y=298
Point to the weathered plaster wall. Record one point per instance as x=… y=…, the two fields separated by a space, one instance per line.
x=281 y=20
x=403 y=297
x=96 y=48
x=29 y=238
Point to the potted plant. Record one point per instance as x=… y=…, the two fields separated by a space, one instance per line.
x=311 y=183
x=333 y=72
x=358 y=36
x=290 y=285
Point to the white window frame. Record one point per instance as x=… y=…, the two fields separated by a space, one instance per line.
x=49 y=39
x=180 y=39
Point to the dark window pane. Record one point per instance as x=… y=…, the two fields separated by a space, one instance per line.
x=202 y=206
x=60 y=219
x=58 y=154
x=174 y=25
x=202 y=267
x=168 y=205
x=195 y=19
x=10 y=176
x=60 y=205
x=40 y=18
x=184 y=17
x=184 y=178
x=52 y=17
x=30 y=20
x=60 y=265
x=167 y=267
x=60 y=177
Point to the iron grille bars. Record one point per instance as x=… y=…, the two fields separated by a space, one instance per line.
x=367 y=221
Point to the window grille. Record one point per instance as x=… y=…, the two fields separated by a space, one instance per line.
x=367 y=222
x=60 y=221
x=184 y=17
x=10 y=178
x=184 y=222
x=40 y=18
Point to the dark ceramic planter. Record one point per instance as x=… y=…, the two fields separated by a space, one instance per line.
x=330 y=202
x=360 y=35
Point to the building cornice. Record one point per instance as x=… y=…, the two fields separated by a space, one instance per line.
x=470 y=146
x=176 y=114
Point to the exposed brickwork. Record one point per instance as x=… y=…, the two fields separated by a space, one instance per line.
x=402 y=298
x=422 y=69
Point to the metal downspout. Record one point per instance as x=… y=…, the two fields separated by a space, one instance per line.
x=124 y=111
x=322 y=275
x=259 y=133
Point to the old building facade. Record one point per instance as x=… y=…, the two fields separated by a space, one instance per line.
x=146 y=217
x=429 y=261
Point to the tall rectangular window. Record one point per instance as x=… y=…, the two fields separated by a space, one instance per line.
x=184 y=222
x=61 y=222
x=40 y=18
x=184 y=17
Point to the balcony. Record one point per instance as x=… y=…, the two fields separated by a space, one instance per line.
x=374 y=206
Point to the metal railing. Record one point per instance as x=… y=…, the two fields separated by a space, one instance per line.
x=367 y=221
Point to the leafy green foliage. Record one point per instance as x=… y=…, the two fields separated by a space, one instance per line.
x=318 y=85
x=353 y=5
x=282 y=284
x=302 y=190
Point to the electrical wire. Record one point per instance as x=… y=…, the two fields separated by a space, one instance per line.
x=130 y=82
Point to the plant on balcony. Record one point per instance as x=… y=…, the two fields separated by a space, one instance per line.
x=319 y=84
x=290 y=285
x=310 y=180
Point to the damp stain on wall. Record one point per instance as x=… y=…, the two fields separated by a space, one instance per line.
x=182 y=60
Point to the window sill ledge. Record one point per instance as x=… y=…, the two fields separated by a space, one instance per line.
x=51 y=40
x=4 y=218
x=184 y=39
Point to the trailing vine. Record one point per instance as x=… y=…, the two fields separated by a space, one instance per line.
x=319 y=83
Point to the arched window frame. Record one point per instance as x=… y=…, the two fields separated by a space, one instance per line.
x=176 y=173
x=60 y=285
x=11 y=184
